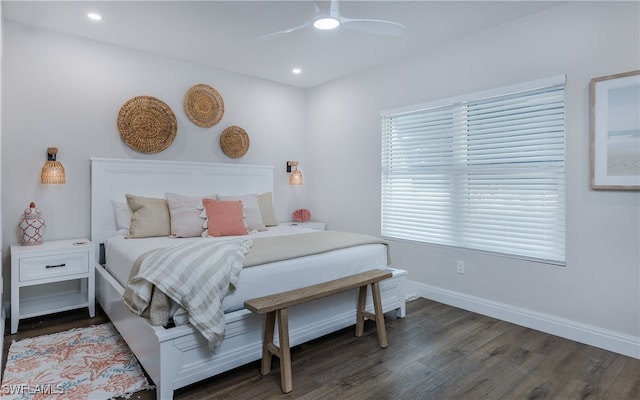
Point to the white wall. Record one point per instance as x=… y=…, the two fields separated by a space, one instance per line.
x=595 y=298
x=66 y=92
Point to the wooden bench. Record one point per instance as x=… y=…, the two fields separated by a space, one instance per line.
x=276 y=305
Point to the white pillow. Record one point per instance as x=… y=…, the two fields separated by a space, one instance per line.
x=252 y=215
x=185 y=214
x=122 y=213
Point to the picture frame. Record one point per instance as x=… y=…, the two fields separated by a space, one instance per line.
x=615 y=131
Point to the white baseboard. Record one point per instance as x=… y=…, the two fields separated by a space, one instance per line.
x=577 y=331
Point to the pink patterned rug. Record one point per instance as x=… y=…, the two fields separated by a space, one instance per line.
x=85 y=363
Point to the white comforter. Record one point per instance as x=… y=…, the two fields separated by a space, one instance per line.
x=259 y=280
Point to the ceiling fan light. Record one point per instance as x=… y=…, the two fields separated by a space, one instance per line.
x=326 y=23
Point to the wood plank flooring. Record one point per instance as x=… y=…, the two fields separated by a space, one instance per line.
x=436 y=352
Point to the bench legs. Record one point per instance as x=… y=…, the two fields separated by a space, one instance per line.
x=378 y=316
x=284 y=352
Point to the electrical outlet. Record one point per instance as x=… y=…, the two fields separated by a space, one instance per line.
x=461 y=267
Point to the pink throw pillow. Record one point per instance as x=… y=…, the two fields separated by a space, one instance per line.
x=225 y=217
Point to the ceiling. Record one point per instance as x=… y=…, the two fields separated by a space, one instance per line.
x=224 y=34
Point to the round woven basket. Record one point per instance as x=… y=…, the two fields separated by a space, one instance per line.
x=203 y=105
x=147 y=124
x=234 y=141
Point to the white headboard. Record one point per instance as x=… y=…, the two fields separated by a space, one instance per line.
x=114 y=178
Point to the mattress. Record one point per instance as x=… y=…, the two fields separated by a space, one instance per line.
x=259 y=280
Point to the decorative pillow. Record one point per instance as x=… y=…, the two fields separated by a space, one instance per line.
x=122 y=213
x=205 y=224
x=184 y=212
x=149 y=217
x=265 y=203
x=252 y=215
x=225 y=217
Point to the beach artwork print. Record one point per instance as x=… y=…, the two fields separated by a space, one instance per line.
x=615 y=132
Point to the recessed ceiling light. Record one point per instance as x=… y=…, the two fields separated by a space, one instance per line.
x=94 y=16
x=326 y=23
x=296 y=71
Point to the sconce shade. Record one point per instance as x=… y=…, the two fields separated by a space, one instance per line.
x=52 y=170
x=296 y=176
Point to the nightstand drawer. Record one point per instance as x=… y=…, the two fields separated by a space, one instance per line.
x=43 y=267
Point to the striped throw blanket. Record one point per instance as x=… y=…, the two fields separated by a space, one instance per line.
x=196 y=276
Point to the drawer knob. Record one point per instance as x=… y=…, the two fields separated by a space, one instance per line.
x=56 y=266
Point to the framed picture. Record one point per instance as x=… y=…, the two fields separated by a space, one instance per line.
x=615 y=131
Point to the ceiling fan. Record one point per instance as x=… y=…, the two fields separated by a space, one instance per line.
x=334 y=19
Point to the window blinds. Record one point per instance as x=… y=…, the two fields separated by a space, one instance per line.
x=483 y=172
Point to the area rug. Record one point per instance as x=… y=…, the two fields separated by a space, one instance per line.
x=86 y=363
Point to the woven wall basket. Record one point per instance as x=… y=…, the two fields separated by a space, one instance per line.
x=234 y=141
x=203 y=105
x=147 y=124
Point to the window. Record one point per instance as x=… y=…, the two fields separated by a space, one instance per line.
x=483 y=172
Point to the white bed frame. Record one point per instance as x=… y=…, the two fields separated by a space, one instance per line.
x=180 y=356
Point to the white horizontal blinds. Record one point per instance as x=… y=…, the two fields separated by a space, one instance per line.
x=484 y=174
x=416 y=153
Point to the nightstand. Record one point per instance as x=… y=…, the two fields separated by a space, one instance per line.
x=44 y=265
x=318 y=226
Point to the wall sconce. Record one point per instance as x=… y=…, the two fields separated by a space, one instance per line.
x=52 y=170
x=296 y=176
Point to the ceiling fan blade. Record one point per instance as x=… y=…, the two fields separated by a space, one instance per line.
x=334 y=9
x=284 y=32
x=309 y=22
x=374 y=26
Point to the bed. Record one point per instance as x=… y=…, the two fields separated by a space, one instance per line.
x=178 y=356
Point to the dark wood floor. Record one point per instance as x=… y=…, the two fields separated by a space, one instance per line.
x=436 y=352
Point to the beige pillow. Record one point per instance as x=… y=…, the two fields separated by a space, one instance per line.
x=149 y=217
x=184 y=212
x=265 y=203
